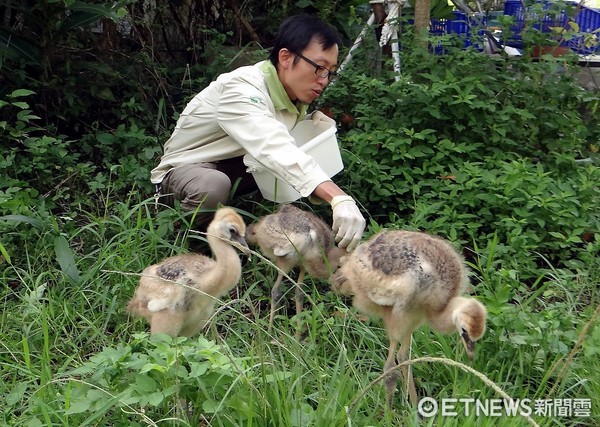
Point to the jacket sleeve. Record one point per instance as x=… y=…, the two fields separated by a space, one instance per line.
x=247 y=115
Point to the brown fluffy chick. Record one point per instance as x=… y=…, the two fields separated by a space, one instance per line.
x=177 y=296
x=292 y=237
x=408 y=279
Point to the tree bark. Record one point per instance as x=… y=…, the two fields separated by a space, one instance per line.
x=422 y=17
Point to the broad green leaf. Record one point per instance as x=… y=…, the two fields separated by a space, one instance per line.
x=16 y=394
x=105 y=93
x=66 y=259
x=153 y=367
x=78 y=406
x=155 y=399
x=22 y=218
x=210 y=406
x=21 y=92
x=5 y=254
x=277 y=376
x=105 y=138
x=517 y=339
x=145 y=384
x=25 y=116
x=197 y=369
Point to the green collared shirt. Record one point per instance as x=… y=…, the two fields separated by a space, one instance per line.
x=279 y=96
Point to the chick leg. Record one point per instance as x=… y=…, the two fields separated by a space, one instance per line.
x=406 y=370
x=391 y=379
x=300 y=292
x=299 y=297
x=275 y=297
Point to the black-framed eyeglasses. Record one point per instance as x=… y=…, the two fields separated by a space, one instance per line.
x=320 y=71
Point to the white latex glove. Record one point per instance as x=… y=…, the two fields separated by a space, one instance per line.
x=348 y=223
x=318 y=116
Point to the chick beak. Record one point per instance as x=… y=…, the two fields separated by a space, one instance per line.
x=469 y=345
x=241 y=244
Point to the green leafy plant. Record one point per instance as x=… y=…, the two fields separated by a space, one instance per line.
x=474 y=162
x=151 y=374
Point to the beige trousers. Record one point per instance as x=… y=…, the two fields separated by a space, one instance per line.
x=205 y=185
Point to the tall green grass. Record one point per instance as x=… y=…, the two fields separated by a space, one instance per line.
x=70 y=355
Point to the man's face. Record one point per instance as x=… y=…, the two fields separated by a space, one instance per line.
x=299 y=78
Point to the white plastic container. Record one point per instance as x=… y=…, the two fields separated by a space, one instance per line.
x=319 y=141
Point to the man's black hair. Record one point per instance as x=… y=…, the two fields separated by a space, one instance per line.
x=296 y=32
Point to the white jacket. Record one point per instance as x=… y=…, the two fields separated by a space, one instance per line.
x=244 y=111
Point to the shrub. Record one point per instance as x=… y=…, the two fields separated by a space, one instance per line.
x=471 y=147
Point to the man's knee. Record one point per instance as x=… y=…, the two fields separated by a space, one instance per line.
x=207 y=191
x=197 y=186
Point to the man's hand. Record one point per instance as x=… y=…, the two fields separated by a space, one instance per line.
x=319 y=116
x=348 y=223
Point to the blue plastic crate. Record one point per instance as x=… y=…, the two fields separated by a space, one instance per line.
x=541 y=22
x=462 y=25
x=588 y=20
x=531 y=16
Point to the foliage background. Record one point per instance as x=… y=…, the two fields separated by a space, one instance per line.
x=498 y=155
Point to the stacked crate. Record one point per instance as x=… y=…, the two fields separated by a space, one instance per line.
x=586 y=18
x=470 y=29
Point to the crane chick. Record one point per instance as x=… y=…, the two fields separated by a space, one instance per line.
x=177 y=296
x=292 y=237
x=408 y=279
